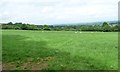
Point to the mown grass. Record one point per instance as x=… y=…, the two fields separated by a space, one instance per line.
x=59 y=50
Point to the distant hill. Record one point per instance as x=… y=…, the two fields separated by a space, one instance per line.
x=89 y=23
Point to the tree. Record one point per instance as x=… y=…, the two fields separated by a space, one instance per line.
x=97 y=28
x=106 y=27
x=32 y=27
x=24 y=27
x=46 y=27
x=10 y=23
x=105 y=24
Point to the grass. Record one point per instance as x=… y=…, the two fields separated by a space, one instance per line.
x=59 y=50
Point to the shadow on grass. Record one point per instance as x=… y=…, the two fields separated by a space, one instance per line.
x=17 y=50
x=21 y=54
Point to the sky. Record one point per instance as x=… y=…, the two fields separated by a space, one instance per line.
x=58 y=11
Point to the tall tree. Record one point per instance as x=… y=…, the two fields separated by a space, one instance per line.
x=106 y=27
x=10 y=23
x=46 y=27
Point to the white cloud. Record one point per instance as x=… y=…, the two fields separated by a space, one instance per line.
x=58 y=11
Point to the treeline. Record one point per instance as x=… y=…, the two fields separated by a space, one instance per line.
x=105 y=27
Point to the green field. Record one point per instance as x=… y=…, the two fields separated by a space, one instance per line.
x=59 y=50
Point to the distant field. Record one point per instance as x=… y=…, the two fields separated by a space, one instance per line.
x=59 y=50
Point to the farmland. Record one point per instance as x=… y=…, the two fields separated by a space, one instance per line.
x=59 y=50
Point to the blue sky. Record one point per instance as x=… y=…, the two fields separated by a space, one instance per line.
x=58 y=11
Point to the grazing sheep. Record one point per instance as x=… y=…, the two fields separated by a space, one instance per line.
x=80 y=32
x=75 y=32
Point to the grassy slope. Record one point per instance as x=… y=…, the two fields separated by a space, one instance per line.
x=64 y=50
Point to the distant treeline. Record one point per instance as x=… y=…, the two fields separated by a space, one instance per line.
x=105 y=27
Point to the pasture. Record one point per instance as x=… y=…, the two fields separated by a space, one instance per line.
x=59 y=50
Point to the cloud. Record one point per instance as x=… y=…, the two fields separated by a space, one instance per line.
x=58 y=11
